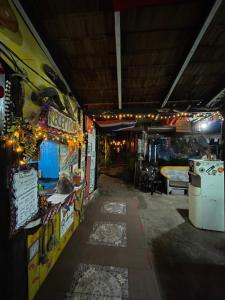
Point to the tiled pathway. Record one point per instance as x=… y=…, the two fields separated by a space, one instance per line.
x=107 y=256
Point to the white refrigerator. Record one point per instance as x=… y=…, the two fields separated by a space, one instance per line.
x=206 y=194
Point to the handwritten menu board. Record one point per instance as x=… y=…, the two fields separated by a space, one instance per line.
x=24 y=196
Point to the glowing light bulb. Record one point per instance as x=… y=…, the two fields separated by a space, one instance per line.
x=16 y=134
x=19 y=149
x=22 y=162
x=9 y=142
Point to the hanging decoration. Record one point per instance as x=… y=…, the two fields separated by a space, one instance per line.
x=156 y=116
x=118 y=145
x=22 y=138
x=5 y=104
x=25 y=138
x=70 y=132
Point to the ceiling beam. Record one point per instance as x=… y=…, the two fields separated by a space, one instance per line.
x=138 y=4
x=216 y=98
x=197 y=41
x=118 y=57
x=139 y=102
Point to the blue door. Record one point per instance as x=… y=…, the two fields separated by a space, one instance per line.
x=49 y=159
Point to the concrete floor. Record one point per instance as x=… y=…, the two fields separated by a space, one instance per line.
x=105 y=247
x=165 y=256
x=189 y=263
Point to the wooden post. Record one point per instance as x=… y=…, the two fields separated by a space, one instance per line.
x=13 y=250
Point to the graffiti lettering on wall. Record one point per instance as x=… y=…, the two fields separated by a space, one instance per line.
x=60 y=121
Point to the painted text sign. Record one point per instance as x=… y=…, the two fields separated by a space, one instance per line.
x=60 y=121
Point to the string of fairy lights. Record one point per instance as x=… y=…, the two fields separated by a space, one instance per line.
x=23 y=139
x=117 y=145
x=157 y=116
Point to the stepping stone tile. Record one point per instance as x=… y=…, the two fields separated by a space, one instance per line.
x=99 y=282
x=109 y=234
x=114 y=208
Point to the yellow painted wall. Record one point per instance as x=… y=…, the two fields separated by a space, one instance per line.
x=37 y=272
x=27 y=48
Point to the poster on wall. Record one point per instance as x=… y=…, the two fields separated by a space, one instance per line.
x=93 y=159
x=83 y=161
x=67 y=159
x=81 y=120
x=92 y=181
x=66 y=217
x=63 y=153
x=23 y=182
x=90 y=142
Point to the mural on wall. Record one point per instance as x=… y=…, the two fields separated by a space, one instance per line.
x=7 y=17
x=37 y=103
x=41 y=83
x=68 y=158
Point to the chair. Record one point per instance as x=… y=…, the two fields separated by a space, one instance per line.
x=150 y=180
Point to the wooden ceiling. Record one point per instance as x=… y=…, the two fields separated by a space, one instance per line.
x=155 y=40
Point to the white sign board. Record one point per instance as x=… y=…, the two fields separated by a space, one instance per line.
x=25 y=196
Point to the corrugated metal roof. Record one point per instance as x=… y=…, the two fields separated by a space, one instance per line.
x=154 y=43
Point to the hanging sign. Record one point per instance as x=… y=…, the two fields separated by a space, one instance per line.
x=24 y=196
x=60 y=121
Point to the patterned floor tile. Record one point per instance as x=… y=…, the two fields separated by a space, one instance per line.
x=109 y=234
x=98 y=283
x=114 y=208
